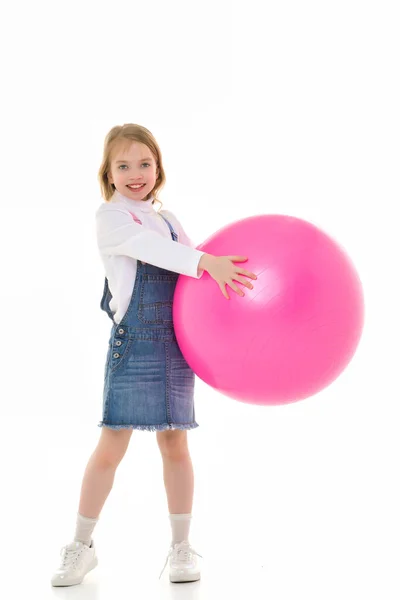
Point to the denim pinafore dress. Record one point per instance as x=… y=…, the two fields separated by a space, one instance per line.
x=148 y=384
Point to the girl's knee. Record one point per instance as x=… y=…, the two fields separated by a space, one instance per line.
x=173 y=442
x=112 y=446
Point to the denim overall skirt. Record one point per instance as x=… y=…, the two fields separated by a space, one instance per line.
x=148 y=384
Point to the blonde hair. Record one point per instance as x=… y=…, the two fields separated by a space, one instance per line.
x=121 y=137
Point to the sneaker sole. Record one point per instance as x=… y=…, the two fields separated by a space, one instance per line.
x=78 y=580
x=180 y=579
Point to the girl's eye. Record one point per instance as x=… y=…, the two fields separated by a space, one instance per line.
x=127 y=165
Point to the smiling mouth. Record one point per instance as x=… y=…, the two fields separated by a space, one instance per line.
x=135 y=189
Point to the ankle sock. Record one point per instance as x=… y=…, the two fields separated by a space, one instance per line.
x=180 y=525
x=84 y=529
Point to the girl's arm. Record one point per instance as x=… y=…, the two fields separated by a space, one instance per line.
x=118 y=234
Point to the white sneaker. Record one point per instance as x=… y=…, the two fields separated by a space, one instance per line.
x=77 y=560
x=183 y=565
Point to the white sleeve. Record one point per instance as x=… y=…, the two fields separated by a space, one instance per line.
x=118 y=234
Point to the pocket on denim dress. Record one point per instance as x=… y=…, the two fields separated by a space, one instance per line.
x=155 y=299
x=109 y=350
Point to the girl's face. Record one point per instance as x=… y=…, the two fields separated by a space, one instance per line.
x=134 y=165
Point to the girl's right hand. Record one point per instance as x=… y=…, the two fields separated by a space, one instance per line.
x=223 y=270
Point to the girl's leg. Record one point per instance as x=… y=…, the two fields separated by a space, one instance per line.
x=178 y=470
x=100 y=470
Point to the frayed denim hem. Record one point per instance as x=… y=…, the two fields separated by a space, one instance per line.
x=162 y=427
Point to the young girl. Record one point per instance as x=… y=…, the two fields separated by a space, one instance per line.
x=148 y=385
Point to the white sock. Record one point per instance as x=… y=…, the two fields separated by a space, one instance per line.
x=84 y=529
x=180 y=525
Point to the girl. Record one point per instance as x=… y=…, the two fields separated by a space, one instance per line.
x=147 y=383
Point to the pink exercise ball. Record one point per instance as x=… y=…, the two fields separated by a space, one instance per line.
x=289 y=337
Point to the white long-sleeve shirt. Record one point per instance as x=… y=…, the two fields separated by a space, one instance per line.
x=122 y=241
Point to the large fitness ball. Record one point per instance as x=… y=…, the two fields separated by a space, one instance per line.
x=289 y=337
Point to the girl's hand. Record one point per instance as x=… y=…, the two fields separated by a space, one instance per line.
x=224 y=271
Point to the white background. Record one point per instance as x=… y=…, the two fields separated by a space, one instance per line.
x=258 y=107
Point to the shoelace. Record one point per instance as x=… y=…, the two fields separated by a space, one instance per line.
x=183 y=552
x=70 y=555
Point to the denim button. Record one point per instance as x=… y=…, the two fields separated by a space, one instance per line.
x=118 y=343
x=120 y=331
x=116 y=355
